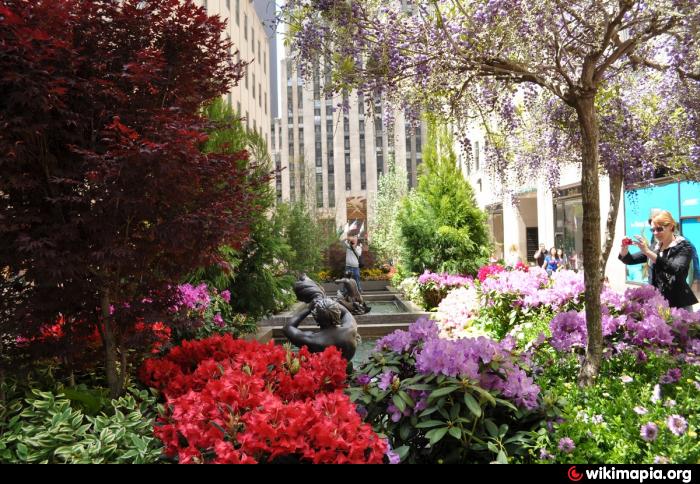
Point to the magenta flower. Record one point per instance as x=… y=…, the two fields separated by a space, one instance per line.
x=226 y=295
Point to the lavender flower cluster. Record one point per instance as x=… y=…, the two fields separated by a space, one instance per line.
x=489 y=363
x=640 y=318
x=444 y=280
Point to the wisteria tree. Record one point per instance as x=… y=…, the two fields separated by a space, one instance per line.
x=477 y=58
x=106 y=198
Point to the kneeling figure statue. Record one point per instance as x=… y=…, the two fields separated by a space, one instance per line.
x=338 y=326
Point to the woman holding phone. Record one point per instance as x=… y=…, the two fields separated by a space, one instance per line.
x=670 y=260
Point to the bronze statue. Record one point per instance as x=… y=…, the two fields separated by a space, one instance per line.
x=349 y=295
x=338 y=326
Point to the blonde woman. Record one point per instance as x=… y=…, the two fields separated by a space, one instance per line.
x=669 y=260
x=513 y=256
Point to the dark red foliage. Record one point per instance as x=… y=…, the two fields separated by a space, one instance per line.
x=105 y=195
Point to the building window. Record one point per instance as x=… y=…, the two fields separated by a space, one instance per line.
x=230 y=101
x=252 y=39
x=259 y=95
x=238 y=10
x=228 y=5
x=348 y=174
x=476 y=156
x=238 y=108
x=568 y=224
x=265 y=62
x=259 y=53
x=265 y=103
x=245 y=26
x=246 y=78
x=253 y=86
x=206 y=5
x=319 y=190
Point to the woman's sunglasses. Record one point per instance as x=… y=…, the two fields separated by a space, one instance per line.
x=657 y=229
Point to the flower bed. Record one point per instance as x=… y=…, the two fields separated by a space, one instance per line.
x=234 y=401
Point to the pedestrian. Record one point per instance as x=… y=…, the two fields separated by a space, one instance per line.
x=563 y=263
x=670 y=260
x=513 y=256
x=540 y=255
x=551 y=262
x=353 y=251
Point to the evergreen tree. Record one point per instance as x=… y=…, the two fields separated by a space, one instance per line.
x=384 y=227
x=442 y=228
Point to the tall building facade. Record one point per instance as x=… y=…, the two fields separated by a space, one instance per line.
x=267 y=12
x=251 y=98
x=332 y=149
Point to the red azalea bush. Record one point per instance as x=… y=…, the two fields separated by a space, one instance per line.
x=489 y=270
x=235 y=401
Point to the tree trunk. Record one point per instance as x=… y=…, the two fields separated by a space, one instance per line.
x=615 y=195
x=588 y=124
x=110 y=346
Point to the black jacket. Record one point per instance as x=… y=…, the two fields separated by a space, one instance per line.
x=670 y=273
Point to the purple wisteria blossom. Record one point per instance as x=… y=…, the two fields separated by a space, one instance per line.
x=649 y=431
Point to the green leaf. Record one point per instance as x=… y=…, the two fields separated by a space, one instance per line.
x=420 y=386
x=436 y=435
x=402 y=451
x=472 y=405
x=406 y=398
x=491 y=427
x=440 y=392
x=502 y=431
x=501 y=458
x=405 y=431
x=22 y=452
x=456 y=433
x=398 y=401
x=429 y=423
x=428 y=411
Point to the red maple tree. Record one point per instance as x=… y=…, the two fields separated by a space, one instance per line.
x=106 y=199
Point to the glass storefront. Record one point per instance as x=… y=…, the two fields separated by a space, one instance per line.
x=568 y=226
